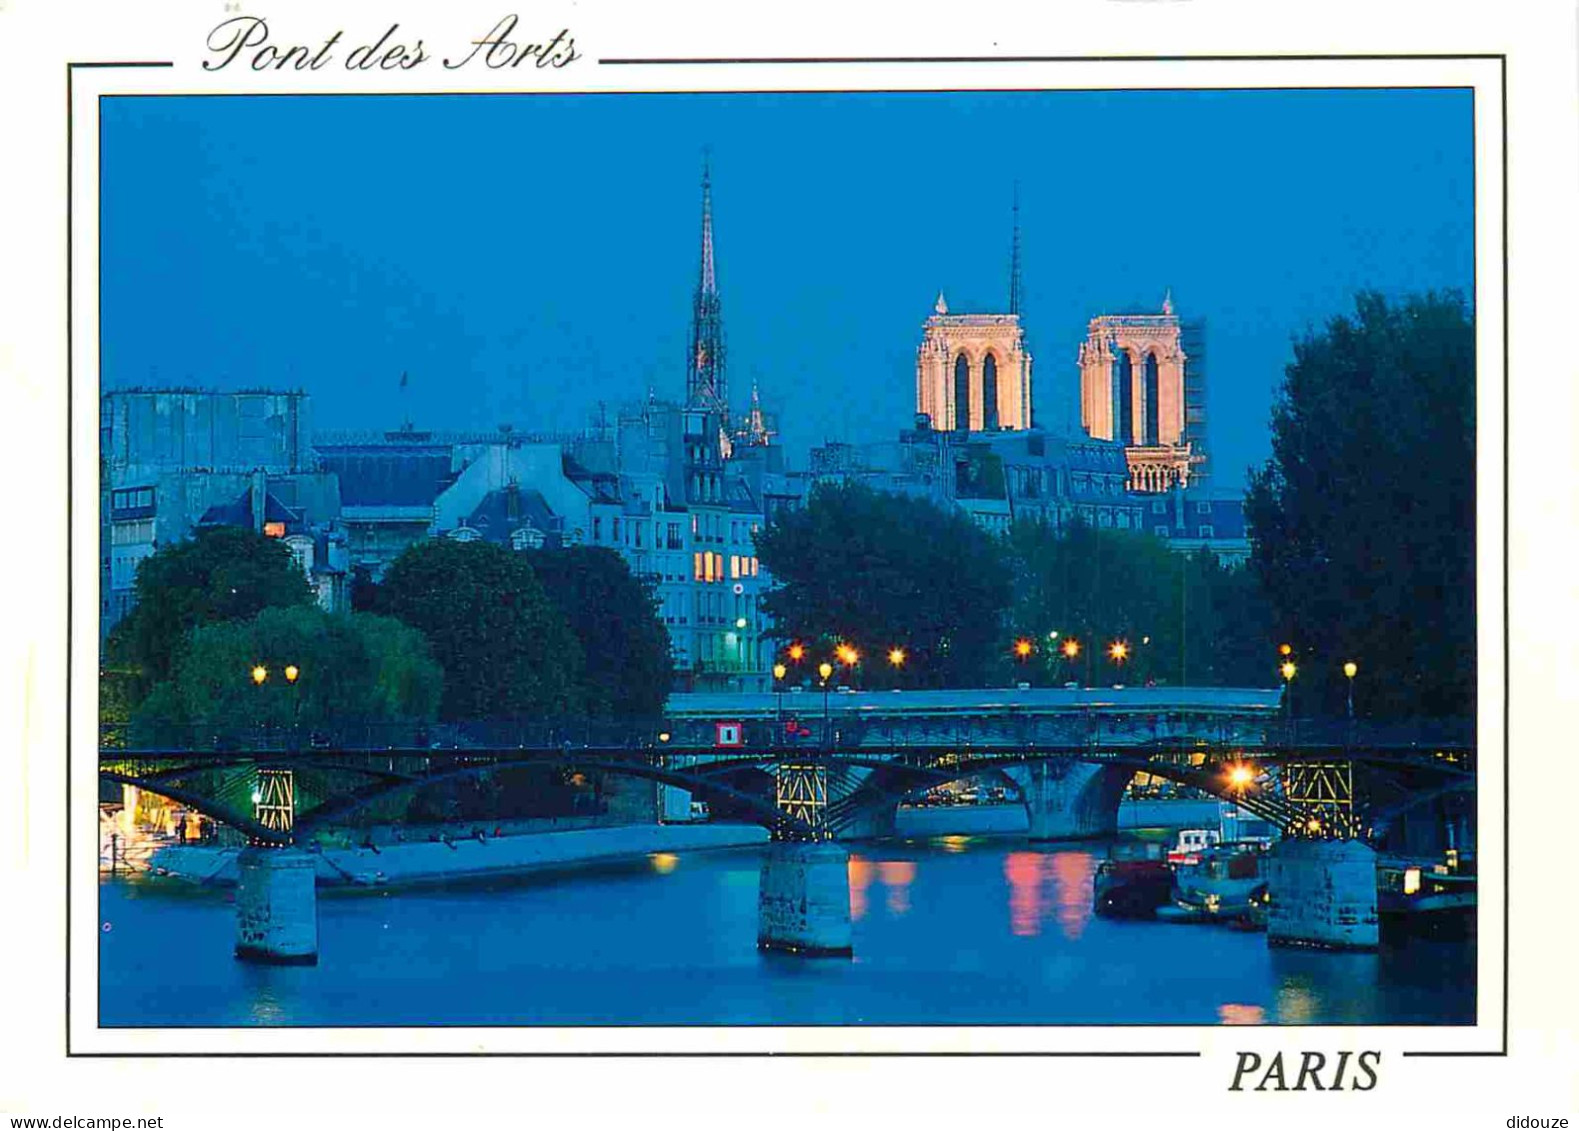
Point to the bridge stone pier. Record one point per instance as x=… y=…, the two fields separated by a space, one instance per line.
x=803 y=902
x=276 y=892
x=277 y=907
x=1066 y=799
x=1323 y=894
x=803 y=906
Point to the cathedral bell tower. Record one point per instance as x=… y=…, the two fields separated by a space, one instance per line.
x=973 y=371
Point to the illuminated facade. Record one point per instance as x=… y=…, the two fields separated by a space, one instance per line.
x=1132 y=391
x=973 y=372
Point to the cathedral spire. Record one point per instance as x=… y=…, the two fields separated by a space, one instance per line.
x=1014 y=257
x=705 y=386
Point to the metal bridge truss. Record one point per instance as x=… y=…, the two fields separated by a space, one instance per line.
x=1307 y=791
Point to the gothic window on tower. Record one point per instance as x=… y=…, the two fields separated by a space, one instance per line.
x=1124 y=408
x=961 y=393
x=989 y=393
x=1150 y=407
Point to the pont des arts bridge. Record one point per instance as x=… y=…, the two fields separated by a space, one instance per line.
x=819 y=767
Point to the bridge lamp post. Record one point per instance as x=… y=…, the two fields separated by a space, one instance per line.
x=1351 y=669
x=1289 y=670
x=825 y=670
x=779 y=672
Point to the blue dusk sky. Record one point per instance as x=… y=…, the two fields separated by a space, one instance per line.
x=525 y=256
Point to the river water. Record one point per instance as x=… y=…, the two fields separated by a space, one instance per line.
x=957 y=930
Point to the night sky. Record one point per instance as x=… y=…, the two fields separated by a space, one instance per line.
x=526 y=256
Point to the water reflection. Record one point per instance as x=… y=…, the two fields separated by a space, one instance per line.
x=1071 y=873
x=897 y=876
x=1023 y=870
x=1231 y=1014
x=1043 y=885
x=635 y=945
x=663 y=862
x=860 y=871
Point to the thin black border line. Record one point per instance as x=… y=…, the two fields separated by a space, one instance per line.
x=862 y=60
x=1507 y=805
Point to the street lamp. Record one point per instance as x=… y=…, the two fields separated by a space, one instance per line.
x=1119 y=650
x=797 y=652
x=779 y=672
x=1240 y=776
x=1289 y=670
x=259 y=674
x=1023 y=649
x=825 y=669
x=896 y=657
x=1351 y=669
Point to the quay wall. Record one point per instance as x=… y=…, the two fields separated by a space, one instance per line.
x=432 y=862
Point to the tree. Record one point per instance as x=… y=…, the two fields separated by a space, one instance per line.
x=505 y=647
x=1182 y=618
x=1362 y=523
x=221 y=573
x=628 y=668
x=879 y=571
x=353 y=667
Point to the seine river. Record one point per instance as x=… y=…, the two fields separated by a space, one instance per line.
x=985 y=930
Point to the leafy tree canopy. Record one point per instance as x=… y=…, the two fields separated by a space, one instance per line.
x=356 y=667
x=505 y=647
x=628 y=668
x=879 y=571
x=1182 y=618
x=1363 y=521
x=221 y=573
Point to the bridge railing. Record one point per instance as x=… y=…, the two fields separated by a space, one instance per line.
x=771 y=736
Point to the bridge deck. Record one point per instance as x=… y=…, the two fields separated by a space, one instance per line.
x=1009 y=700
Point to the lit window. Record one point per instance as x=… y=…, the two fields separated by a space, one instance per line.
x=734 y=567
x=274 y=529
x=698 y=571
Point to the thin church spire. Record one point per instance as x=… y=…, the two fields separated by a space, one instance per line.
x=1014 y=257
x=705 y=383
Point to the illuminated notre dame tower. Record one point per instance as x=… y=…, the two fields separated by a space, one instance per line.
x=1133 y=390
x=973 y=371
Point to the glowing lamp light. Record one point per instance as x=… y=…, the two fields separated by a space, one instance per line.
x=1411 y=880
x=896 y=656
x=1022 y=648
x=797 y=652
x=259 y=674
x=1240 y=776
x=740 y=622
x=256 y=797
x=1119 y=651
x=1350 y=669
x=291 y=673
x=1285 y=649
x=825 y=669
x=779 y=671
x=847 y=654
x=663 y=736
x=1313 y=825
x=1288 y=669
x=1071 y=648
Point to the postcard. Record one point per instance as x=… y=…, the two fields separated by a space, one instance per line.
x=587 y=533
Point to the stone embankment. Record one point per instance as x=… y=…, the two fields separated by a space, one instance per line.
x=417 y=862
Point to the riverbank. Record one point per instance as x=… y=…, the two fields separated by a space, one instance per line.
x=413 y=863
x=404 y=863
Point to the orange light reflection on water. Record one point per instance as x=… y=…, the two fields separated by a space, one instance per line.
x=897 y=876
x=1231 y=1014
x=1023 y=870
x=860 y=871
